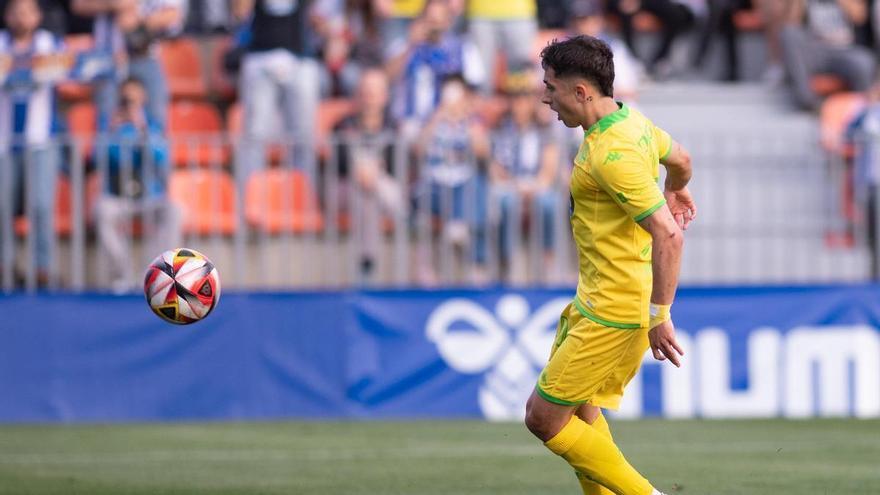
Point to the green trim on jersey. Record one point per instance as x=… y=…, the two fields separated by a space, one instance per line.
x=671 y=145
x=590 y=316
x=645 y=214
x=550 y=398
x=609 y=120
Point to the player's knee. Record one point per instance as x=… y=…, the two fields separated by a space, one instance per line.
x=538 y=423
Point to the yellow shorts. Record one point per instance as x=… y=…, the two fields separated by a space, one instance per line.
x=591 y=363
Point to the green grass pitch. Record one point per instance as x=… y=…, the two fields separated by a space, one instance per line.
x=777 y=457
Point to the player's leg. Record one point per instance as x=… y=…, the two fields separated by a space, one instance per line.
x=584 y=447
x=593 y=416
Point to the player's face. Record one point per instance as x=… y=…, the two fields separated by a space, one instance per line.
x=559 y=95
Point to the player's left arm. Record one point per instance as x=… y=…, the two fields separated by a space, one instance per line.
x=681 y=204
x=667 y=245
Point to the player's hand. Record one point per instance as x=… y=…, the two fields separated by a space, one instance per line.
x=682 y=206
x=663 y=343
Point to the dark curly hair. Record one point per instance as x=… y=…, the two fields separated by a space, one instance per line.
x=582 y=56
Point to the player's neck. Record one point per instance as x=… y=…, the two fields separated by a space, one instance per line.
x=595 y=111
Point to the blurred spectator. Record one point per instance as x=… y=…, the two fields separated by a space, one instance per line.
x=129 y=29
x=675 y=16
x=351 y=40
x=523 y=170
x=720 y=21
x=398 y=16
x=552 y=14
x=27 y=111
x=588 y=18
x=863 y=136
x=207 y=16
x=433 y=53
x=774 y=14
x=55 y=15
x=452 y=146
x=135 y=185
x=508 y=26
x=819 y=38
x=278 y=80
x=366 y=154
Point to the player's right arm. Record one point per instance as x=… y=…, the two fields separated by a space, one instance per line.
x=678 y=173
x=667 y=244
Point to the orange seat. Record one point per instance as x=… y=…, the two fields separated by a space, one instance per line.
x=82 y=121
x=826 y=84
x=748 y=20
x=282 y=200
x=63 y=211
x=207 y=199
x=182 y=61
x=646 y=22
x=70 y=90
x=836 y=113
x=196 y=134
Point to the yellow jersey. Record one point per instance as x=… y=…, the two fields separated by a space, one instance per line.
x=614 y=186
x=498 y=9
x=407 y=8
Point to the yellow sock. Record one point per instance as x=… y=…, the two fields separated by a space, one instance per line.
x=595 y=456
x=588 y=486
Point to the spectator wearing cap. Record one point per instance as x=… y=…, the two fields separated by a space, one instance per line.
x=523 y=171
x=587 y=17
x=508 y=27
x=433 y=53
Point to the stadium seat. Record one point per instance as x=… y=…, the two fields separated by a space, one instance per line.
x=646 y=22
x=836 y=113
x=63 y=207
x=282 y=200
x=69 y=90
x=196 y=131
x=182 y=61
x=207 y=199
x=748 y=20
x=827 y=84
x=82 y=122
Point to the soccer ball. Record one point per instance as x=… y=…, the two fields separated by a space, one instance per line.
x=182 y=286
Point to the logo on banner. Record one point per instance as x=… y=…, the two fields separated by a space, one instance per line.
x=508 y=345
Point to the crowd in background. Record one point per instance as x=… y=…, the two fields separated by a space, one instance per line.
x=418 y=73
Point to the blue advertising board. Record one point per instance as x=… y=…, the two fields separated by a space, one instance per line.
x=749 y=352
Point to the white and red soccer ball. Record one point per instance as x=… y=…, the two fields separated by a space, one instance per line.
x=182 y=286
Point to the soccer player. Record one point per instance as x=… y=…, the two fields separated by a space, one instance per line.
x=629 y=241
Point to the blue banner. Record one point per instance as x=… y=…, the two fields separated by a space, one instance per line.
x=749 y=352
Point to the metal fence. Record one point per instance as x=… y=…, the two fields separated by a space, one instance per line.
x=772 y=210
